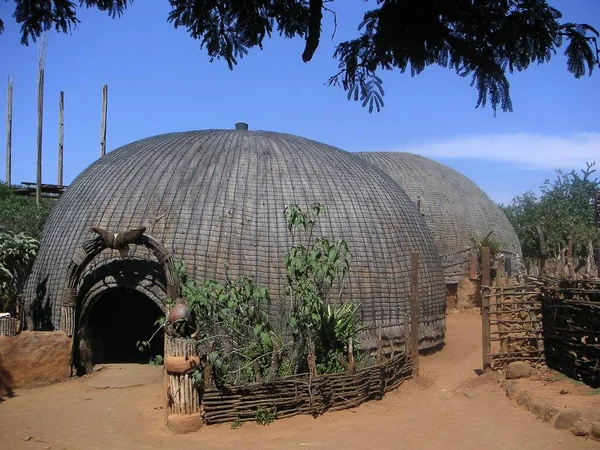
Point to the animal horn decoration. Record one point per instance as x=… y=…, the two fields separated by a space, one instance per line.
x=180 y=322
x=119 y=241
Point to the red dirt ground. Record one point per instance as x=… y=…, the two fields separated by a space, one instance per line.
x=119 y=407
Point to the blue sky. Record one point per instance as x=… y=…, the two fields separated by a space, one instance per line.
x=161 y=81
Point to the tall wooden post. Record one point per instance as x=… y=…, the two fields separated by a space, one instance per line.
x=103 y=120
x=486 y=343
x=40 y=119
x=485 y=307
x=61 y=136
x=485 y=266
x=9 y=100
x=597 y=222
x=414 y=315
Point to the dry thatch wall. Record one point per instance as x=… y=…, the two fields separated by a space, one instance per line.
x=571 y=320
x=454 y=208
x=215 y=199
x=304 y=396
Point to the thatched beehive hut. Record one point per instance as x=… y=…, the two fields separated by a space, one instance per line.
x=216 y=196
x=454 y=207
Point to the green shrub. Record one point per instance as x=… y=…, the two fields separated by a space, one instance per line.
x=17 y=253
x=21 y=214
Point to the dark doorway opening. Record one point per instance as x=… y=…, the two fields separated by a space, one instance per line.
x=118 y=321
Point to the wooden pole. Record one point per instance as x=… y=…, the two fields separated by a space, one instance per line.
x=40 y=119
x=414 y=315
x=103 y=120
x=485 y=308
x=485 y=266
x=486 y=343
x=61 y=135
x=9 y=101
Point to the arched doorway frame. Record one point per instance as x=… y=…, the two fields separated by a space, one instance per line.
x=73 y=300
x=142 y=275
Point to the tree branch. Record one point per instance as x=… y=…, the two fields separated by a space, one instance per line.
x=314 y=29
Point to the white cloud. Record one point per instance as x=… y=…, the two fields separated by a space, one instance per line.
x=528 y=150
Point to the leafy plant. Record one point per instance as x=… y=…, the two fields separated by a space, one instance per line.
x=321 y=330
x=157 y=360
x=236 y=340
x=17 y=254
x=266 y=415
x=237 y=423
x=488 y=241
x=143 y=345
x=235 y=333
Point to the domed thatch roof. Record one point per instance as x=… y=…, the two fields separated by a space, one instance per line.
x=217 y=196
x=454 y=207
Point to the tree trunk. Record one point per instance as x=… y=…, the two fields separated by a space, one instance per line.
x=569 y=259
x=543 y=250
x=590 y=259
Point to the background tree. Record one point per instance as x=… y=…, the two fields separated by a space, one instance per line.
x=562 y=215
x=482 y=39
x=20 y=214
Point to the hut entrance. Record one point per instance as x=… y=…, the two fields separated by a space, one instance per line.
x=118 y=320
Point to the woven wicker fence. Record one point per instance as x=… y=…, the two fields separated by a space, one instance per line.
x=512 y=325
x=571 y=321
x=8 y=326
x=304 y=396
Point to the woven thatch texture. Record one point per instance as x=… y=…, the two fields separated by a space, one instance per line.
x=217 y=197
x=454 y=208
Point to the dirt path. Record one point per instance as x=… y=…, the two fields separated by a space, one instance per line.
x=119 y=407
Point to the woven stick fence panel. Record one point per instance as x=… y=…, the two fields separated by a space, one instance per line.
x=572 y=330
x=295 y=396
x=8 y=326
x=514 y=332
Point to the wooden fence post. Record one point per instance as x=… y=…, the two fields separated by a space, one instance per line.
x=486 y=343
x=485 y=266
x=182 y=394
x=414 y=316
x=485 y=307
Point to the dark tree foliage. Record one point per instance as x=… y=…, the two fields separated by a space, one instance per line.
x=481 y=39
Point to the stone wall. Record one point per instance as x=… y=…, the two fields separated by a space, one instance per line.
x=33 y=358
